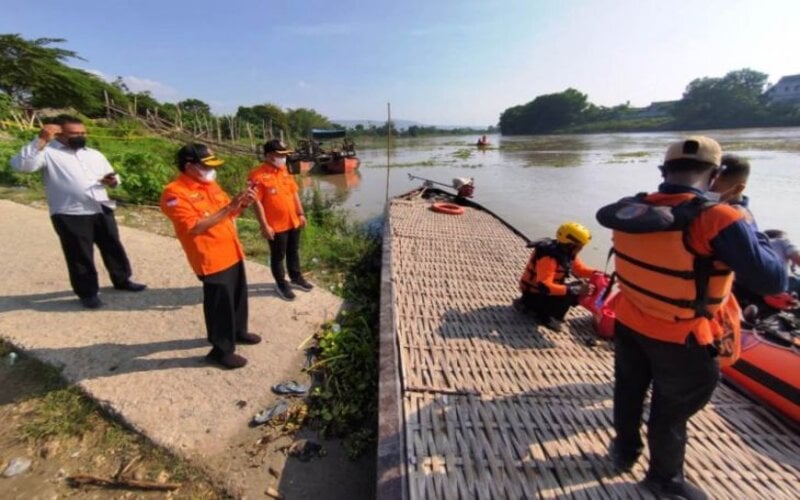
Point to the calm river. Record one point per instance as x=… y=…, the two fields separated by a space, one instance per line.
x=536 y=183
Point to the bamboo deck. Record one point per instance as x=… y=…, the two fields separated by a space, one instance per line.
x=478 y=401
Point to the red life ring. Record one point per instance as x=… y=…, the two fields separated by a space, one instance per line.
x=447 y=208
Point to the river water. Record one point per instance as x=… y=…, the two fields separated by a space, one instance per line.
x=538 y=182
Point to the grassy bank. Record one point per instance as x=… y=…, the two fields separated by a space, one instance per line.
x=340 y=255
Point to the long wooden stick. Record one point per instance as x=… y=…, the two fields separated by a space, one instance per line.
x=134 y=484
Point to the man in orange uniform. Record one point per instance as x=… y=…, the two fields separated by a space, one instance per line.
x=203 y=218
x=281 y=216
x=673 y=284
x=545 y=291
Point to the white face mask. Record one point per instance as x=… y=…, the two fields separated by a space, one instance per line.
x=207 y=175
x=278 y=161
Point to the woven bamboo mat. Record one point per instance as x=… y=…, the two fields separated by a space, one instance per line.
x=496 y=406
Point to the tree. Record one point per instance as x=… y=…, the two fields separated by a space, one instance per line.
x=262 y=115
x=302 y=120
x=735 y=100
x=26 y=65
x=34 y=75
x=194 y=106
x=544 y=114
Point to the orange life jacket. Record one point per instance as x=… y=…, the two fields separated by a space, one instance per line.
x=662 y=276
x=545 y=248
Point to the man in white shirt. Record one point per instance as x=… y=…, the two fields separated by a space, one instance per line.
x=75 y=179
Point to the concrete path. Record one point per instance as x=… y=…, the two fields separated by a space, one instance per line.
x=141 y=356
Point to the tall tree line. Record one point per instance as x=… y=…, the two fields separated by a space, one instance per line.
x=735 y=100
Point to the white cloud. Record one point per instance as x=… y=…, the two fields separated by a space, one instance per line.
x=99 y=74
x=159 y=90
x=303 y=84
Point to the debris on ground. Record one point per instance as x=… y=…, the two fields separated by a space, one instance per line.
x=289 y=388
x=276 y=410
x=132 y=484
x=273 y=493
x=304 y=450
x=120 y=479
x=17 y=466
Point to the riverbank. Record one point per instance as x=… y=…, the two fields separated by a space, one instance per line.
x=147 y=373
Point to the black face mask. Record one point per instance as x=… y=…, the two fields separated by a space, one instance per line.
x=77 y=142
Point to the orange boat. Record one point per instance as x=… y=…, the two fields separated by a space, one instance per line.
x=299 y=166
x=339 y=164
x=769 y=367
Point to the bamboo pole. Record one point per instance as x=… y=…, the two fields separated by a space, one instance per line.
x=178 y=117
x=388 y=148
x=250 y=134
x=219 y=130
x=108 y=104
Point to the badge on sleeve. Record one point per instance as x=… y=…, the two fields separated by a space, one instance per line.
x=171 y=202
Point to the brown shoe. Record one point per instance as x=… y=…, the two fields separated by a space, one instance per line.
x=231 y=360
x=248 y=338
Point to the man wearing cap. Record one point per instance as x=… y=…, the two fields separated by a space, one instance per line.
x=203 y=217
x=281 y=216
x=673 y=286
x=75 y=180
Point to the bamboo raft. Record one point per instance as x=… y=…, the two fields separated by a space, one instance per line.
x=478 y=401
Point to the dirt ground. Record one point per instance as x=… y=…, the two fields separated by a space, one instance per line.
x=27 y=391
x=130 y=357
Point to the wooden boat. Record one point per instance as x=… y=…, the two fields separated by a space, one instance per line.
x=338 y=158
x=339 y=164
x=769 y=368
x=298 y=166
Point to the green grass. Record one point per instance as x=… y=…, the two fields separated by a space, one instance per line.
x=63 y=412
x=463 y=154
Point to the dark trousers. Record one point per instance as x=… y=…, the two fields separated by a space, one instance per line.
x=225 y=307
x=545 y=306
x=285 y=245
x=78 y=235
x=683 y=376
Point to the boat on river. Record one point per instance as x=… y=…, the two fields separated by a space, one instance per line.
x=769 y=366
x=327 y=151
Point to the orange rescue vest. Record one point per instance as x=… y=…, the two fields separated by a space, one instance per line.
x=662 y=276
x=545 y=248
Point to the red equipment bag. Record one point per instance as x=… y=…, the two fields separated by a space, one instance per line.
x=601 y=304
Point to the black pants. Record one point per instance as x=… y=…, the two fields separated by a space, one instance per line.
x=225 y=307
x=545 y=306
x=285 y=245
x=78 y=235
x=683 y=376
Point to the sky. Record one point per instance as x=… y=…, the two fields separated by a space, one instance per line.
x=438 y=62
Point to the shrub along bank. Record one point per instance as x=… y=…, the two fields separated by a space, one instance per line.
x=341 y=254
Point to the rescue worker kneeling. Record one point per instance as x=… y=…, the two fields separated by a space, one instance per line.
x=545 y=290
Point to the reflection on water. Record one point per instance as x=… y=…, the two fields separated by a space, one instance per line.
x=538 y=182
x=340 y=186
